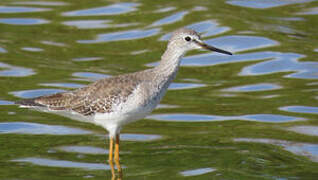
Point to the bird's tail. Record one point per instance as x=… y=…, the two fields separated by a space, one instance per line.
x=28 y=103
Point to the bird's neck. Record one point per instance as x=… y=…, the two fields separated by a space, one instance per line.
x=170 y=61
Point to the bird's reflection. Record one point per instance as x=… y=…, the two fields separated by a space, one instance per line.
x=119 y=174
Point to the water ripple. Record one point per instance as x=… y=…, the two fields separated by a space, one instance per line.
x=123 y=35
x=89 y=76
x=3 y=102
x=32 y=49
x=41 y=3
x=20 y=9
x=208 y=28
x=238 y=43
x=170 y=19
x=96 y=24
x=2 y=50
x=177 y=86
x=63 y=163
x=300 y=109
x=114 y=9
x=35 y=92
x=196 y=172
x=253 y=87
x=304 y=149
x=263 y=4
x=272 y=118
x=88 y=24
x=15 y=71
x=36 y=128
x=284 y=62
x=23 y=21
x=87 y=59
x=52 y=43
x=310 y=11
x=308 y=130
x=165 y=9
x=63 y=85
x=205 y=28
x=84 y=149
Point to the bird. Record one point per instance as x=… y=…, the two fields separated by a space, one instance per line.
x=116 y=101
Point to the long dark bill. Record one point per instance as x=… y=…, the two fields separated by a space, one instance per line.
x=211 y=48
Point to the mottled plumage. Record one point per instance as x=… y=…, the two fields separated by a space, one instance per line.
x=98 y=97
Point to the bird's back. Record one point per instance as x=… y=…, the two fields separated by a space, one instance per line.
x=98 y=97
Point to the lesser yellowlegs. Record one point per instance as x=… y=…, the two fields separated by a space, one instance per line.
x=116 y=101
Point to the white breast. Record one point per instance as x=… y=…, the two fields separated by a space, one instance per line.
x=137 y=106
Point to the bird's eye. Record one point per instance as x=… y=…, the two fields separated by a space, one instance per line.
x=187 y=38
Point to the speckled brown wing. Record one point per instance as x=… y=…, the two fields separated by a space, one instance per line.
x=99 y=97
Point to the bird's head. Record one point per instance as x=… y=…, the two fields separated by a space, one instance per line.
x=187 y=39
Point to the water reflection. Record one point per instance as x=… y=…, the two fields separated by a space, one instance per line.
x=23 y=21
x=208 y=28
x=205 y=28
x=139 y=51
x=63 y=85
x=165 y=9
x=310 y=11
x=308 y=130
x=87 y=59
x=272 y=118
x=288 y=18
x=14 y=71
x=253 y=87
x=53 y=43
x=166 y=106
x=20 y=9
x=237 y=43
x=36 y=128
x=96 y=24
x=41 y=3
x=284 y=62
x=32 y=49
x=300 y=109
x=88 y=24
x=199 y=8
x=196 y=172
x=304 y=149
x=170 y=19
x=84 y=149
x=35 y=92
x=210 y=59
x=177 y=86
x=123 y=35
x=3 y=102
x=2 y=50
x=263 y=4
x=89 y=76
x=63 y=163
x=113 y=9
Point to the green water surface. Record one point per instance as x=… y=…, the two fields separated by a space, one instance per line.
x=253 y=115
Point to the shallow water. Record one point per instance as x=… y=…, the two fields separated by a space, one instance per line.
x=253 y=115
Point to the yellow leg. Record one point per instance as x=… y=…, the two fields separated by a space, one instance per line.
x=110 y=157
x=116 y=157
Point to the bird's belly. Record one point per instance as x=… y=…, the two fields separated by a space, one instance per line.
x=125 y=114
x=131 y=110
